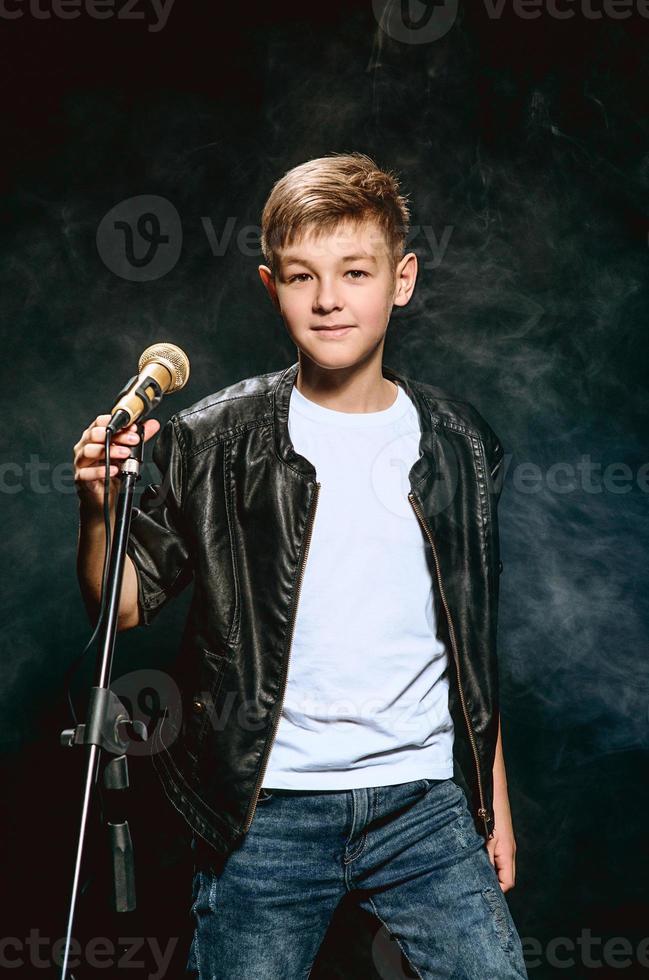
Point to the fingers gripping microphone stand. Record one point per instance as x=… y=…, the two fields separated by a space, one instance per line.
x=109 y=726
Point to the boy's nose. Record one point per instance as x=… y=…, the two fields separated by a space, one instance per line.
x=326 y=299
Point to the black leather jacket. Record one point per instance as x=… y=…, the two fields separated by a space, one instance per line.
x=235 y=512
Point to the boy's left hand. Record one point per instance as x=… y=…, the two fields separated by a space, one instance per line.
x=501 y=848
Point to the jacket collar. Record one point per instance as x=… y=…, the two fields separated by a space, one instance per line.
x=286 y=450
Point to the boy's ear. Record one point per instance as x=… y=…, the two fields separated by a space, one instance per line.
x=266 y=276
x=405 y=278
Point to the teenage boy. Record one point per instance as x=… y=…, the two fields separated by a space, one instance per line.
x=340 y=729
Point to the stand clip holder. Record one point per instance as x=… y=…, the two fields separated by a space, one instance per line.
x=107 y=720
x=107 y=716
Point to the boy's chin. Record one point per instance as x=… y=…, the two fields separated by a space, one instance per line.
x=331 y=363
x=335 y=353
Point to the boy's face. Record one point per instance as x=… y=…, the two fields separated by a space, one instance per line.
x=344 y=278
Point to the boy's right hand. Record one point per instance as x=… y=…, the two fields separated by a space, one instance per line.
x=89 y=458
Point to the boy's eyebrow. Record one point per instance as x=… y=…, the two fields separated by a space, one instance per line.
x=293 y=257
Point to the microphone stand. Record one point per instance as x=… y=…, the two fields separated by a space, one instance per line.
x=109 y=727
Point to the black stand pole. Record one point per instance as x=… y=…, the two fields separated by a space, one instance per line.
x=109 y=726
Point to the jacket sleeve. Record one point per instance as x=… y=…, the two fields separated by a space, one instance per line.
x=158 y=541
x=495 y=453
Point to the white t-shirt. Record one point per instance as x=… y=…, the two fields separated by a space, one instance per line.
x=366 y=700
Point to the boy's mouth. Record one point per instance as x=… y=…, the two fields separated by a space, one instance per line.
x=335 y=330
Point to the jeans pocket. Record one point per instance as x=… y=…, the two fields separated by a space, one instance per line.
x=447 y=785
x=264 y=795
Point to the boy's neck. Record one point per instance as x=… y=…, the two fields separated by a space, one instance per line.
x=358 y=389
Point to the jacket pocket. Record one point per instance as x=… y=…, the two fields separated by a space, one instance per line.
x=200 y=701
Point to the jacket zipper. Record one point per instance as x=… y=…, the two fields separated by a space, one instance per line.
x=482 y=812
x=311 y=519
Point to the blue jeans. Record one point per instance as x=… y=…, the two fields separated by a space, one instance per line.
x=411 y=855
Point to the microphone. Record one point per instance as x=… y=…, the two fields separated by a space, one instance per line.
x=163 y=368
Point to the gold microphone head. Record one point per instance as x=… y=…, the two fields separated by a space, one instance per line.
x=173 y=358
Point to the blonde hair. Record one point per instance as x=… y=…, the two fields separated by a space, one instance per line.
x=325 y=191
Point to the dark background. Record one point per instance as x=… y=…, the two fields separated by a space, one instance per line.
x=523 y=145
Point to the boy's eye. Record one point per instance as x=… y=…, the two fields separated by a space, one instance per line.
x=356 y=274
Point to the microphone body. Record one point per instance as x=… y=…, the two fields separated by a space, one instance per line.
x=163 y=369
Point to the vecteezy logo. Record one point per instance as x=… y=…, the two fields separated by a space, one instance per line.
x=140 y=238
x=413 y=22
